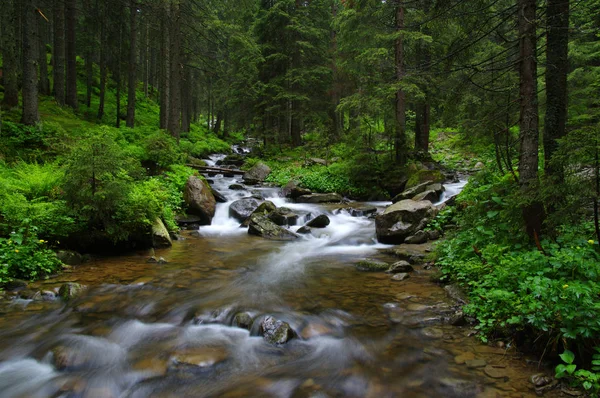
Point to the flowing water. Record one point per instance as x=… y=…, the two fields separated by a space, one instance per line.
x=167 y=330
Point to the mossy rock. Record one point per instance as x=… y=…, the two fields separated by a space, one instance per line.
x=422 y=175
x=372 y=266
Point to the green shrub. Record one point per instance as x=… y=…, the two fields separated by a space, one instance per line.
x=162 y=150
x=23 y=255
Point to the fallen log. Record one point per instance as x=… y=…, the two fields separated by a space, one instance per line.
x=219 y=170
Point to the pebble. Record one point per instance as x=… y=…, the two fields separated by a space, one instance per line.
x=475 y=363
x=495 y=373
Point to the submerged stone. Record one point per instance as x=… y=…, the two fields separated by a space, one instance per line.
x=369 y=265
x=275 y=331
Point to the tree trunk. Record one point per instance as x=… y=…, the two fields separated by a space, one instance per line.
x=164 y=73
x=43 y=61
x=144 y=54
x=118 y=78
x=175 y=80
x=70 y=27
x=10 y=56
x=400 y=108
x=557 y=68
x=422 y=129
x=103 y=68
x=132 y=81
x=528 y=122
x=30 y=64
x=58 y=52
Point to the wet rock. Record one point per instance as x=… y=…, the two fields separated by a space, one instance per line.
x=160 y=235
x=275 y=331
x=262 y=226
x=200 y=358
x=47 y=295
x=152 y=260
x=187 y=219
x=237 y=187
x=457 y=319
x=464 y=357
x=475 y=363
x=15 y=284
x=315 y=330
x=451 y=387
x=320 y=198
x=70 y=290
x=540 y=379
x=69 y=257
x=242 y=320
x=433 y=235
x=303 y=230
x=369 y=265
x=437 y=188
x=257 y=174
x=412 y=255
x=433 y=333
x=418 y=238
x=456 y=293
x=283 y=216
x=402 y=220
x=219 y=197
x=400 y=276
x=199 y=199
x=431 y=196
x=400 y=266
x=242 y=209
x=234 y=159
x=411 y=192
x=161 y=260
x=28 y=294
x=495 y=373
x=320 y=221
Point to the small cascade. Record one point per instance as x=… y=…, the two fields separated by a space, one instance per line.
x=451 y=190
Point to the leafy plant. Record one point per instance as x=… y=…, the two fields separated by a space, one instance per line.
x=588 y=379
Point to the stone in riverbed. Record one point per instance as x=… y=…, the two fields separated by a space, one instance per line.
x=495 y=373
x=369 y=265
x=69 y=257
x=400 y=277
x=260 y=225
x=320 y=198
x=241 y=209
x=402 y=220
x=400 y=266
x=283 y=216
x=199 y=358
x=411 y=192
x=418 y=238
x=237 y=187
x=257 y=174
x=70 y=290
x=321 y=221
x=160 y=235
x=431 y=196
x=242 y=320
x=219 y=197
x=199 y=199
x=303 y=230
x=475 y=363
x=275 y=332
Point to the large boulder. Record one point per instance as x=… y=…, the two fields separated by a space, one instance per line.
x=320 y=221
x=320 y=198
x=260 y=225
x=431 y=196
x=257 y=174
x=242 y=208
x=411 y=192
x=160 y=234
x=199 y=199
x=283 y=216
x=293 y=189
x=402 y=220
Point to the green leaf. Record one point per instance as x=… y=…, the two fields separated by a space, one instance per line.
x=492 y=213
x=571 y=368
x=568 y=357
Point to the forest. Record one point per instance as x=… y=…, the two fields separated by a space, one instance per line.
x=107 y=107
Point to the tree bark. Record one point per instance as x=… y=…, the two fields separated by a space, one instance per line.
x=118 y=78
x=557 y=68
x=400 y=108
x=528 y=121
x=164 y=73
x=10 y=56
x=422 y=129
x=30 y=64
x=58 y=54
x=43 y=61
x=132 y=81
x=103 y=68
x=70 y=28
x=174 y=125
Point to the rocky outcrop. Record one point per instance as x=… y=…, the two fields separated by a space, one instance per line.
x=283 y=216
x=241 y=209
x=431 y=196
x=199 y=199
x=293 y=190
x=69 y=257
x=260 y=225
x=411 y=192
x=219 y=197
x=320 y=198
x=402 y=220
x=418 y=238
x=321 y=221
x=257 y=174
x=275 y=331
x=160 y=235
x=70 y=290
